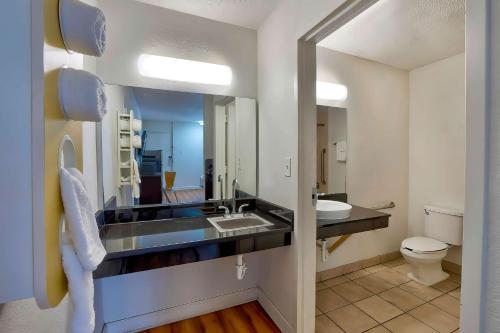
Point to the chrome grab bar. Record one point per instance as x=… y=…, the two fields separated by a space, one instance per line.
x=323 y=153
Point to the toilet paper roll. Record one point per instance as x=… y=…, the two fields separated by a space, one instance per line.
x=83 y=27
x=81 y=95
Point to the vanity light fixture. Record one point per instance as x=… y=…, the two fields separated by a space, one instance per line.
x=174 y=69
x=330 y=91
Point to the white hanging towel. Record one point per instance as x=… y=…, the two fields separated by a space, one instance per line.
x=136 y=180
x=341 y=151
x=81 y=291
x=80 y=219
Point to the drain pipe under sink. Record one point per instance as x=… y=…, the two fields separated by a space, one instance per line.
x=241 y=267
x=324 y=251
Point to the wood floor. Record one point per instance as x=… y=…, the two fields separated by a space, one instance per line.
x=195 y=195
x=245 y=318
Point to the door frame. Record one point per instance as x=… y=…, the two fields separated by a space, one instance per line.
x=475 y=217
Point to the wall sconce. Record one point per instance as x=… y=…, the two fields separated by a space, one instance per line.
x=174 y=69
x=330 y=91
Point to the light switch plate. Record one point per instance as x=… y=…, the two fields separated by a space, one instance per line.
x=287 y=166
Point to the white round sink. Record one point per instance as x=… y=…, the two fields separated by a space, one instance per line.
x=332 y=210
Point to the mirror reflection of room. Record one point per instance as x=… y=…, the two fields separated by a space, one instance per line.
x=169 y=147
x=390 y=169
x=332 y=151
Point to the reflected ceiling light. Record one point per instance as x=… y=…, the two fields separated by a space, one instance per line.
x=184 y=70
x=331 y=91
x=201 y=122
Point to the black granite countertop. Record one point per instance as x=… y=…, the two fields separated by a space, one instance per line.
x=134 y=238
x=149 y=237
x=361 y=219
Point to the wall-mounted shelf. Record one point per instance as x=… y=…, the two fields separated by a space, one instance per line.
x=126 y=154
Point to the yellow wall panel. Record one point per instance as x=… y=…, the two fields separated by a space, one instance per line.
x=55 y=56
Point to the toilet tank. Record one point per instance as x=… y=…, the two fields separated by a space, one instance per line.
x=444 y=224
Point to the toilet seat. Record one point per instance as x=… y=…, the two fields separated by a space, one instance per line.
x=423 y=245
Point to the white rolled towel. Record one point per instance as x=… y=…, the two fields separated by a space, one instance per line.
x=124 y=125
x=80 y=219
x=137 y=125
x=125 y=141
x=137 y=141
x=83 y=27
x=81 y=291
x=81 y=95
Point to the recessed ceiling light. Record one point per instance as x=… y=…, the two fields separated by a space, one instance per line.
x=174 y=69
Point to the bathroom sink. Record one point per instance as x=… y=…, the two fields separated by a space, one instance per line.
x=238 y=222
x=332 y=210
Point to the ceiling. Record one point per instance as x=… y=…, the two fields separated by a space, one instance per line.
x=164 y=105
x=245 y=13
x=406 y=34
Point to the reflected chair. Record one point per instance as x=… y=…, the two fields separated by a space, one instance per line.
x=169 y=185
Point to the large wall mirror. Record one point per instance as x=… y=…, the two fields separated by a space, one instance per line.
x=332 y=155
x=169 y=147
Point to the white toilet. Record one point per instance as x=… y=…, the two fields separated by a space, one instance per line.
x=442 y=229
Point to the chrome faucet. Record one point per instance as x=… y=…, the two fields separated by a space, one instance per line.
x=236 y=185
x=226 y=211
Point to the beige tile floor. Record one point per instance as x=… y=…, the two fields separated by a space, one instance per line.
x=382 y=299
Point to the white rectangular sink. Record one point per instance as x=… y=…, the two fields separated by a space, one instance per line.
x=238 y=222
x=332 y=210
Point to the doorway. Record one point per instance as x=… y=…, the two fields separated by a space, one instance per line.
x=308 y=119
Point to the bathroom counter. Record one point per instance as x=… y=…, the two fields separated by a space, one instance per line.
x=136 y=244
x=361 y=219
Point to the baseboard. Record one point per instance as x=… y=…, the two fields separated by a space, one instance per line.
x=357 y=265
x=452 y=267
x=194 y=187
x=181 y=312
x=274 y=312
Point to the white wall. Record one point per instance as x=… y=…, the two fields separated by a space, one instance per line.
x=134 y=28
x=437 y=141
x=287 y=274
x=110 y=169
x=134 y=294
x=24 y=316
x=16 y=279
x=246 y=144
x=377 y=135
x=188 y=154
x=491 y=293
